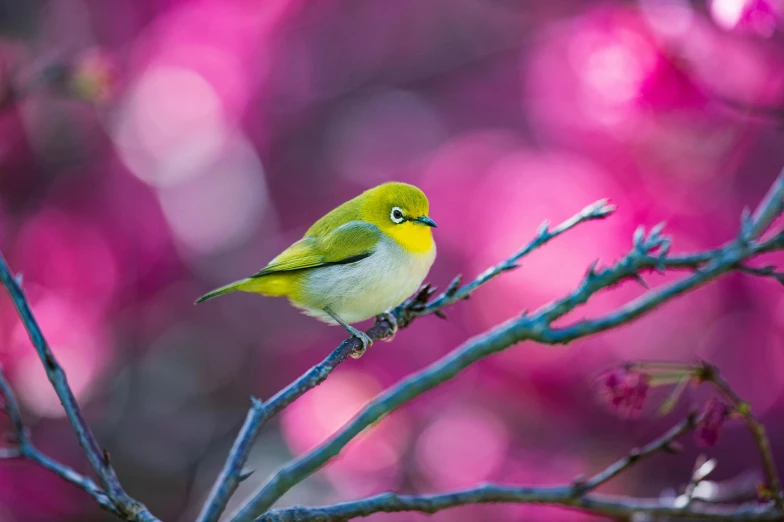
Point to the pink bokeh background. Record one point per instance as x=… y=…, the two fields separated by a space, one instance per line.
x=193 y=140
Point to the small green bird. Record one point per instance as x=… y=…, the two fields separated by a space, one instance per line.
x=358 y=261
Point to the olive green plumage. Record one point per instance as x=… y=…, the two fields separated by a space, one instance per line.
x=360 y=259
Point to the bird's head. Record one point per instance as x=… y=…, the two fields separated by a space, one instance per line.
x=400 y=210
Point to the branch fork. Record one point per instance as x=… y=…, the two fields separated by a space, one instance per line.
x=650 y=251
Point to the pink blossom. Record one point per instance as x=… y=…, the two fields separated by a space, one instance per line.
x=709 y=428
x=624 y=390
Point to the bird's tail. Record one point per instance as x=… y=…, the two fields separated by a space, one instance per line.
x=233 y=287
x=273 y=285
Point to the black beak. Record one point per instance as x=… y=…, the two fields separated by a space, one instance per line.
x=424 y=220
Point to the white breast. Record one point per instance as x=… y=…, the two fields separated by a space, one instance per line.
x=364 y=289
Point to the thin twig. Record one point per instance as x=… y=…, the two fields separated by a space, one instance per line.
x=98 y=458
x=536 y=327
x=663 y=443
x=614 y=506
x=598 y=210
x=757 y=429
x=24 y=448
x=259 y=413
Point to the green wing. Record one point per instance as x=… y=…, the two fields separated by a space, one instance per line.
x=348 y=243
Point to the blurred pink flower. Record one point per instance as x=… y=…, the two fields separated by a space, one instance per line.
x=79 y=342
x=462 y=447
x=672 y=85
x=709 y=428
x=69 y=255
x=624 y=390
x=325 y=409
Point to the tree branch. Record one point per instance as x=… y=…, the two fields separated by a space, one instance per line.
x=24 y=448
x=663 y=443
x=538 y=327
x=131 y=509
x=615 y=506
x=232 y=474
x=711 y=374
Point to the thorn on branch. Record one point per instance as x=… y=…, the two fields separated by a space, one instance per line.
x=765 y=271
x=590 y=273
x=454 y=286
x=637 y=277
x=107 y=460
x=19 y=279
x=245 y=475
x=440 y=314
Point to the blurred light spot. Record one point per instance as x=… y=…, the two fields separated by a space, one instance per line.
x=668 y=17
x=612 y=66
x=382 y=135
x=325 y=409
x=220 y=204
x=462 y=447
x=707 y=490
x=70 y=256
x=528 y=188
x=727 y=13
x=171 y=125
x=454 y=170
x=758 y=16
x=79 y=345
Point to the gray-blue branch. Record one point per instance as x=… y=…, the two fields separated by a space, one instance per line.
x=129 y=508
x=260 y=412
x=614 y=506
x=649 y=252
x=23 y=448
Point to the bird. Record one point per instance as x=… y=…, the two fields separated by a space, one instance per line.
x=358 y=261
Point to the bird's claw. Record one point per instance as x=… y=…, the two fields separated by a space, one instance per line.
x=364 y=339
x=389 y=317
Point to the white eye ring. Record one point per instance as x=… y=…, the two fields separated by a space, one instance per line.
x=396 y=215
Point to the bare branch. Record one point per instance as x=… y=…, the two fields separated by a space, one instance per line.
x=615 y=506
x=768 y=210
x=711 y=374
x=24 y=448
x=131 y=509
x=598 y=210
x=417 y=306
x=648 y=252
x=663 y=443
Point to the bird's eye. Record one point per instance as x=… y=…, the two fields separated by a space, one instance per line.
x=397 y=215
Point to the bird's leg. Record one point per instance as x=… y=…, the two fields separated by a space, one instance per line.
x=389 y=317
x=359 y=334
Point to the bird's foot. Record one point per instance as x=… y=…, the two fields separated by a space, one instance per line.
x=364 y=339
x=389 y=317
